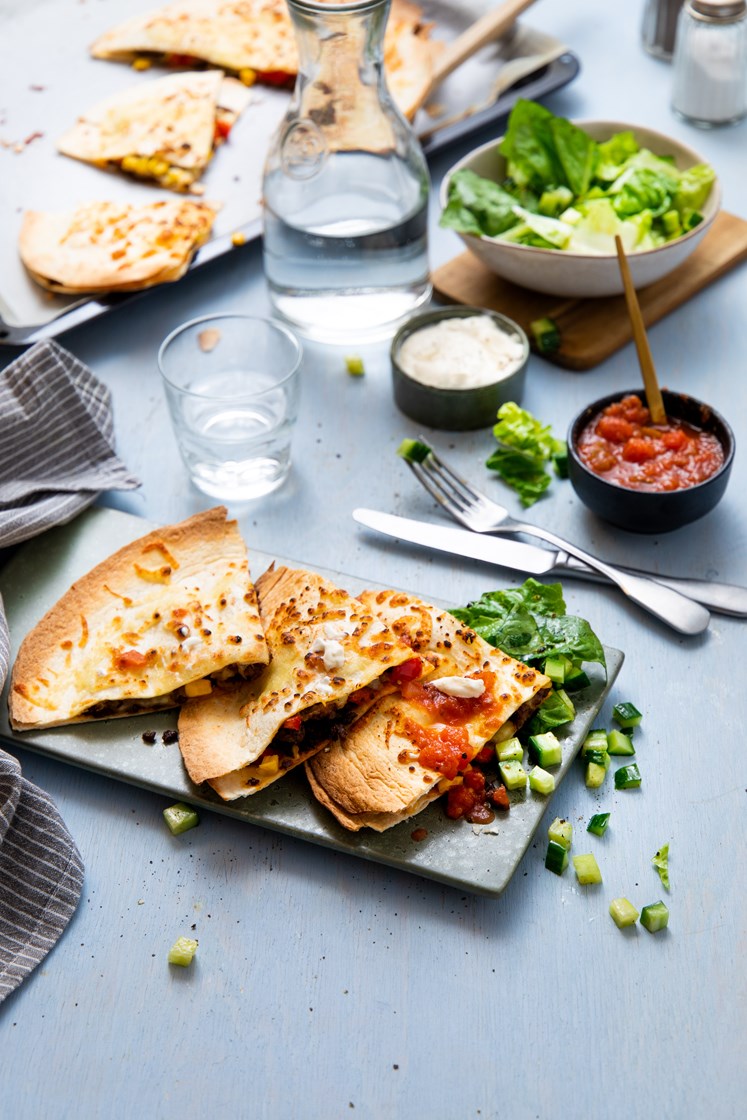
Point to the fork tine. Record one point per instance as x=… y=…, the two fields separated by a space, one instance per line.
x=434 y=487
x=456 y=482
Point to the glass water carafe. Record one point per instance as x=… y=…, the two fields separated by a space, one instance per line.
x=345 y=188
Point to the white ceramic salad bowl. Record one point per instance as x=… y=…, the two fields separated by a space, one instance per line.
x=572 y=274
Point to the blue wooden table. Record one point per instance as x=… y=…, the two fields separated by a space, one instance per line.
x=328 y=987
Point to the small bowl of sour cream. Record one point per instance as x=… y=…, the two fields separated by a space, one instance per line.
x=453 y=367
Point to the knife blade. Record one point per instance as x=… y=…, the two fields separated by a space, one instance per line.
x=506 y=553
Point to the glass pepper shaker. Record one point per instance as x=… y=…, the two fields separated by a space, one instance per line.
x=709 y=85
x=346 y=185
x=659 y=27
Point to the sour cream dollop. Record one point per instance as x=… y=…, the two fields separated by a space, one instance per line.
x=460 y=353
x=466 y=687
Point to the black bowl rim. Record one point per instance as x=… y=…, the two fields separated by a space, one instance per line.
x=670 y=396
x=456 y=311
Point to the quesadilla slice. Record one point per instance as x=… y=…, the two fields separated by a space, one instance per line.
x=112 y=246
x=331 y=656
x=254 y=39
x=165 y=130
x=165 y=618
x=411 y=746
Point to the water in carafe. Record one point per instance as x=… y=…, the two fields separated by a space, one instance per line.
x=345 y=186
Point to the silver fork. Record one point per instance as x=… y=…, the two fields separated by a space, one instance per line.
x=482 y=515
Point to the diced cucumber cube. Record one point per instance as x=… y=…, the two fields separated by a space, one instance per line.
x=600 y=757
x=557 y=668
x=414 y=450
x=628 y=777
x=575 y=680
x=510 y=750
x=595 y=741
x=561 y=832
x=354 y=365
x=654 y=917
x=560 y=462
x=513 y=774
x=556 y=859
x=619 y=743
x=180 y=818
x=545 y=749
x=587 y=869
x=541 y=781
x=595 y=775
x=182 y=951
x=598 y=824
x=623 y=913
x=626 y=714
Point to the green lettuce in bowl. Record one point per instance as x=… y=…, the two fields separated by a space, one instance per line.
x=559 y=188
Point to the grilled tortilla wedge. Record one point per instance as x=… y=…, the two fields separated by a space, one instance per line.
x=165 y=130
x=330 y=657
x=113 y=247
x=254 y=39
x=370 y=774
x=164 y=618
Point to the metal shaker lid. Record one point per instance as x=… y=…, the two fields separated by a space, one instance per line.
x=721 y=11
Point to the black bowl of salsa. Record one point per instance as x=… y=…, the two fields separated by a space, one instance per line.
x=649 y=478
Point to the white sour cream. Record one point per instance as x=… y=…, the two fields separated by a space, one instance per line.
x=466 y=687
x=460 y=353
x=332 y=651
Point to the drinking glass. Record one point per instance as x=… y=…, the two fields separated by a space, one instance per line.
x=232 y=386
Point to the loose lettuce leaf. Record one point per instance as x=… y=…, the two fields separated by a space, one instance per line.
x=529 y=148
x=519 y=428
x=644 y=189
x=522 y=472
x=525 y=445
x=478 y=206
x=694 y=187
x=613 y=153
x=661 y=863
x=576 y=152
x=549 y=230
x=552 y=712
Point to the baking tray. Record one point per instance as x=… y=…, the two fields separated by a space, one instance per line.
x=47 y=86
x=479 y=859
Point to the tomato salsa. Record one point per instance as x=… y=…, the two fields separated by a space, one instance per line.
x=622 y=446
x=451 y=709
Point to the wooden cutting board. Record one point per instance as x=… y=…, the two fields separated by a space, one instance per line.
x=592 y=329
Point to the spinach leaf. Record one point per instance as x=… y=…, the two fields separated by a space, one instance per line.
x=530 y=623
x=479 y=206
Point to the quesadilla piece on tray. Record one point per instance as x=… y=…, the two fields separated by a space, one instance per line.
x=255 y=40
x=162 y=619
x=113 y=246
x=411 y=746
x=165 y=129
x=331 y=656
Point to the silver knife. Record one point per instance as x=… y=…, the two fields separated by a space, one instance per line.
x=723 y=597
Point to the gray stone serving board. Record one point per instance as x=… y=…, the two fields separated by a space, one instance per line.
x=476 y=859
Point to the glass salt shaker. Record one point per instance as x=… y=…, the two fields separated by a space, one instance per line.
x=659 y=27
x=710 y=63
x=345 y=187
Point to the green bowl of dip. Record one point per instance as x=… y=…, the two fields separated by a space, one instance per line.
x=453 y=367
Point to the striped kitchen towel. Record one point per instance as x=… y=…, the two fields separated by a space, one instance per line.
x=56 y=456
x=41 y=875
